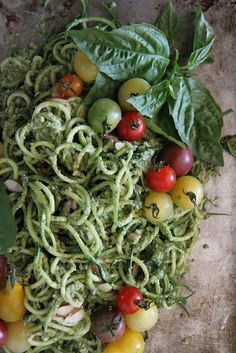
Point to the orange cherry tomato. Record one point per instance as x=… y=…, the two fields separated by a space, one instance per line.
x=69 y=86
x=130 y=342
x=12 y=306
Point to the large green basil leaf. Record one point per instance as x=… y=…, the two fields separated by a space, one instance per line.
x=200 y=126
x=149 y=103
x=181 y=108
x=163 y=125
x=168 y=22
x=203 y=41
x=139 y=50
x=104 y=87
x=8 y=227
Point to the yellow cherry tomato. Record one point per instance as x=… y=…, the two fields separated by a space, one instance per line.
x=134 y=86
x=130 y=342
x=84 y=67
x=142 y=320
x=187 y=192
x=12 y=306
x=158 y=207
x=17 y=341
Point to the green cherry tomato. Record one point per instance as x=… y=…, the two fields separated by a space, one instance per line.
x=158 y=207
x=187 y=192
x=143 y=319
x=104 y=115
x=84 y=67
x=132 y=87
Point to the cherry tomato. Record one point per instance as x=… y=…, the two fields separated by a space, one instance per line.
x=3 y=333
x=69 y=86
x=178 y=158
x=127 y=299
x=132 y=127
x=3 y=268
x=17 y=341
x=130 y=342
x=108 y=324
x=132 y=87
x=12 y=306
x=84 y=67
x=143 y=319
x=104 y=115
x=187 y=192
x=158 y=207
x=161 y=180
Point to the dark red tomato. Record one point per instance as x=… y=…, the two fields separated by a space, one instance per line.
x=108 y=324
x=129 y=299
x=3 y=333
x=131 y=127
x=3 y=268
x=69 y=86
x=178 y=158
x=162 y=180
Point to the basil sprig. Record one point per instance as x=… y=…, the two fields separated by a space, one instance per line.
x=177 y=106
x=8 y=228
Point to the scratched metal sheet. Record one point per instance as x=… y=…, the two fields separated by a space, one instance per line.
x=211 y=327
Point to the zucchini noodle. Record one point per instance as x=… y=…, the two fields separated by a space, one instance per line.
x=81 y=230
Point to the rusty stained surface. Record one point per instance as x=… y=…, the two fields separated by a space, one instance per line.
x=211 y=327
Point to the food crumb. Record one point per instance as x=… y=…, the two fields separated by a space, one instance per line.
x=185 y=340
x=205 y=246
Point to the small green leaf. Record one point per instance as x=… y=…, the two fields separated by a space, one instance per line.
x=104 y=87
x=169 y=23
x=8 y=227
x=139 y=50
x=203 y=41
x=150 y=103
x=229 y=144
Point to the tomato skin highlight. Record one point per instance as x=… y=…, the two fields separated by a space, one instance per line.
x=162 y=180
x=131 y=127
x=127 y=299
x=3 y=333
x=130 y=342
x=178 y=158
x=12 y=306
x=69 y=86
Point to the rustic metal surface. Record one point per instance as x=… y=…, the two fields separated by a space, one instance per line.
x=211 y=327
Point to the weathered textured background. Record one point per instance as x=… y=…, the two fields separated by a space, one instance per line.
x=211 y=327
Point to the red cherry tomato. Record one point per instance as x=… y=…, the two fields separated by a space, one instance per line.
x=178 y=158
x=128 y=298
x=69 y=86
x=3 y=333
x=162 y=180
x=131 y=127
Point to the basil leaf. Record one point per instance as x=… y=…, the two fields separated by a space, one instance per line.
x=168 y=22
x=200 y=126
x=8 y=227
x=104 y=87
x=139 y=50
x=163 y=125
x=149 y=103
x=203 y=41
